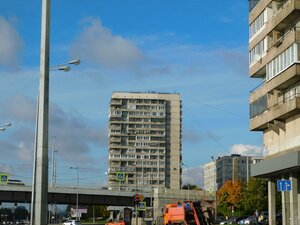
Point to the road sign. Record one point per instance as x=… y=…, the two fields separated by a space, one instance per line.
x=3 y=178
x=284 y=185
x=142 y=206
x=141 y=197
x=120 y=176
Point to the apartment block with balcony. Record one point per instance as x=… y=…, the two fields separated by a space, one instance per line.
x=274 y=57
x=145 y=140
x=233 y=167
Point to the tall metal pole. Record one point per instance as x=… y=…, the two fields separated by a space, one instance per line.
x=41 y=164
x=215 y=187
x=34 y=169
x=188 y=180
x=247 y=169
x=52 y=168
x=77 y=193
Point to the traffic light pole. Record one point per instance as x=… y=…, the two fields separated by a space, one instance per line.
x=136 y=214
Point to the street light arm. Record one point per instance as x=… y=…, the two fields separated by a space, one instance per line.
x=66 y=66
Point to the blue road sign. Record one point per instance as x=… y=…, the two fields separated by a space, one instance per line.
x=3 y=178
x=120 y=176
x=284 y=185
x=142 y=206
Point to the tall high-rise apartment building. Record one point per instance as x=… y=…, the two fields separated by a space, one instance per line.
x=274 y=54
x=145 y=140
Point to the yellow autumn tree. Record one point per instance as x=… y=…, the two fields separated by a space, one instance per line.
x=231 y=194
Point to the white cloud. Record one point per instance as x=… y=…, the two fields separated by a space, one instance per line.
x=193 y=175
x=251 y=150
x=97 y=44
x=19 y=107
x=24 y=152
x=10 y=44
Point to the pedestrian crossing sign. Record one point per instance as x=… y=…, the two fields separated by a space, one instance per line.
x=120 y=176
x=3 y=178
x=142 y=206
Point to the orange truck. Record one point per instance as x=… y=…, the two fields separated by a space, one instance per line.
x=186 y=213
x=111 y=222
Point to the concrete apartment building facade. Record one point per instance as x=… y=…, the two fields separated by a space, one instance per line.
x=274 y=56
x=145 y=141
x=210 y=179
x=233 y=167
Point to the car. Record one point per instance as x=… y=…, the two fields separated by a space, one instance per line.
x=240 y=218
x=219 y=219
x=229 y=221
x=248 y=220
x=72 y=222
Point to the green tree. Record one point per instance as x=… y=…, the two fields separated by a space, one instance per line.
x=256 y=195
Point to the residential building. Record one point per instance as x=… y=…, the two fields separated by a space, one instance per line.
x=145 y=141
x=210 y=176
x=233 y=167
x=274 y=54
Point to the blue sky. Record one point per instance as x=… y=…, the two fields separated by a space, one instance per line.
x=196 y=48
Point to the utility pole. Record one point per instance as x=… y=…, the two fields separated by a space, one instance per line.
x=40 y=181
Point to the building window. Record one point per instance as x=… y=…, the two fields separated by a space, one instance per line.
x=258 y=23
x=258 y=51
x=282 y=61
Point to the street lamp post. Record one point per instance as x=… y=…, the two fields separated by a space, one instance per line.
x=77 y=169
x=215 y=185
x=40 y=180
x=3 y=127
x=39 y=201
x=53 y=162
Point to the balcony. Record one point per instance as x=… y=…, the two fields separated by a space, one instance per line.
x=116 y=102
x=279 y=111
x=282 y=81
x=277 y=46
x=285 y=16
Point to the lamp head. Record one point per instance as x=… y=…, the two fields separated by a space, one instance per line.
x=75 y=62
x=64 y=68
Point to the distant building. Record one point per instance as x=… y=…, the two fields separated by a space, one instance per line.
x=274 y=56
x=210 y=176
x=145 y=140
x=233 y=167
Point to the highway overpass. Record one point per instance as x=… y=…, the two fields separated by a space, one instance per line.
x=67 y=195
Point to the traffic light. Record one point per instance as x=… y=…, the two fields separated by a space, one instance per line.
x=137 y=198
